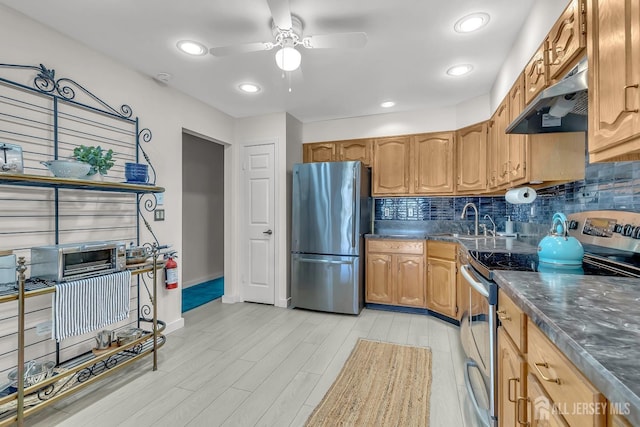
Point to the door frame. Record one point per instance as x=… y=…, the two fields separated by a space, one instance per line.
x=237 y=234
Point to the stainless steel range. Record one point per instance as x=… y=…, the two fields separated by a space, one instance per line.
x=611 y=241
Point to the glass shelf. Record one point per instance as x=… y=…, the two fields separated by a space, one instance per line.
x=78 y=184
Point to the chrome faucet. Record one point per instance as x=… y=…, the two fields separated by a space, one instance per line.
x=493 y=233
x=464 y=213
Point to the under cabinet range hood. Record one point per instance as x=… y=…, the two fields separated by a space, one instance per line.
x=559 y=108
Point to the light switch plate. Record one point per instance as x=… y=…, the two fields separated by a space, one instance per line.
x=158 y=215
x=159 y=198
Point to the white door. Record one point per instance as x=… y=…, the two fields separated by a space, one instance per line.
x=258 y=265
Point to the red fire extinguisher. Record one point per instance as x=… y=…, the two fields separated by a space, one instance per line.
x=171 y=271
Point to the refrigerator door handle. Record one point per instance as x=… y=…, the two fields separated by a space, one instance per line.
x=355 y=202
x=322 y=261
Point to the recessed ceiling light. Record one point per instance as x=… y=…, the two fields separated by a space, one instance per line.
x=472 y=22
x=191 y=47
x=459 y=70
x=387 y=104
x=249 y=88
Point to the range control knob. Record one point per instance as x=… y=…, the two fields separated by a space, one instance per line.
x=573 y=224
x=617 y=228
x=636 y=233
x=627 y=230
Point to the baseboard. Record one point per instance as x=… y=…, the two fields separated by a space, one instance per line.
x=284 y=303
x=229 y=299
x=174 y=326
x=213 y=276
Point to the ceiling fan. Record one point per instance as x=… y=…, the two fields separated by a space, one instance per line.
x=287 y=30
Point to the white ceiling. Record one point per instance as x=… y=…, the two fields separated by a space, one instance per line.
x=411 y=43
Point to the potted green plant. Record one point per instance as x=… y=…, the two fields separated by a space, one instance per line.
x=100 y=160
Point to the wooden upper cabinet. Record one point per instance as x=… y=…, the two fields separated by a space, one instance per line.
x=391 y=169
x=499 y=147
x=535 y=74
x=433 y=164
x=614 y=77
x=518 y=144
x=471 y=146
x=319 y=152
x=567 y=39
x=357 y=149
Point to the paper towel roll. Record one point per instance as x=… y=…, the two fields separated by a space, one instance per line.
x=521 y=195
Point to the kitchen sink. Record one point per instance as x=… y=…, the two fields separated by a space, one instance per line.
x=467 y=236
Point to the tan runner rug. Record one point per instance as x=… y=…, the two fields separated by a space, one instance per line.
x=381 y=384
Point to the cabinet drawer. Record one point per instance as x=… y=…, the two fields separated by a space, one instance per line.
x=579 y=402
x=442 y=250
x=513 y=320
x=415 y=247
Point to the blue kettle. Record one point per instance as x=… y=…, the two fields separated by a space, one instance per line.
x=558 y=248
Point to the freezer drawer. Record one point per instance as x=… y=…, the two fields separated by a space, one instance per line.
x=327 y=283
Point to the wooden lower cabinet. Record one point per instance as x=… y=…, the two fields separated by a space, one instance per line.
x=379 y=278
x=540 y=406
x=571 y=392
x=512 y=376
x=395 y=273
x=441 y=278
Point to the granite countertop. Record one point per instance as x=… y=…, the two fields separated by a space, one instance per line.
x=480 y=243
x=593 y=320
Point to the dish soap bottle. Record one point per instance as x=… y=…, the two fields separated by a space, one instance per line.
x=508 y=226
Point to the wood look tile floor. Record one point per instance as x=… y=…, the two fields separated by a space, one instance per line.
x=256 y=365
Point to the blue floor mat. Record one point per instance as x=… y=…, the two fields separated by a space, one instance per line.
x=202 y=293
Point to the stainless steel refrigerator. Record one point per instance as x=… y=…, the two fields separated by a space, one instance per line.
x=331 y=212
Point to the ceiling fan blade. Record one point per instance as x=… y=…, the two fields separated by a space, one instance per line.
x=340 y=40
x=240 y=48
x=281 y=13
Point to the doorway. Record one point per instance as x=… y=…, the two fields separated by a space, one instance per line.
x=202 y=221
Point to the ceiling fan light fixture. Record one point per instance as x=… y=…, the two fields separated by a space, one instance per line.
x=192 y=48
x=288 y=59
x=472 y=22
x=249 y=88
x=460 y=70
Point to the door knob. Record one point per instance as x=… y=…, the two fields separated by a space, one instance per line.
x=269 y=232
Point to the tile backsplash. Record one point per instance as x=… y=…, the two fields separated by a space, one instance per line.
x=606 y=186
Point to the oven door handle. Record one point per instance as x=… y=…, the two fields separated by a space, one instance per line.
x=482 y=414
x=465 y=269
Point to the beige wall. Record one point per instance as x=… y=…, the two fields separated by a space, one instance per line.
x=202 y=210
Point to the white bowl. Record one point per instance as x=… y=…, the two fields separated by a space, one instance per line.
x=67 y=168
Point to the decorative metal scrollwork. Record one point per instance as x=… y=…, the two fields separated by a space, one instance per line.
x=145 y=136
x=45 y=81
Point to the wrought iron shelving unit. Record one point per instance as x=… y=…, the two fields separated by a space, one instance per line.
x=53 y=127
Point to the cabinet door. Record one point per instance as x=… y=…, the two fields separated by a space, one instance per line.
x=433 y=163
x=518 y=144
x=499 y=148
x=358 y=149
x=511 y=381
x=379 y=278
x=540 y=408
x=567 y=39
x=410 y=280
x=471 y=147
x=319 y=152
x=535 y=75
x=441 y=286
x=614 y=76
x=391 y=168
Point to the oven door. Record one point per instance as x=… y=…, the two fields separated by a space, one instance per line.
x=477 y=331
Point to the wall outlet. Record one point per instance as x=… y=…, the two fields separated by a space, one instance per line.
x=386 y=211
x=158 y=215
x=410 y=212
